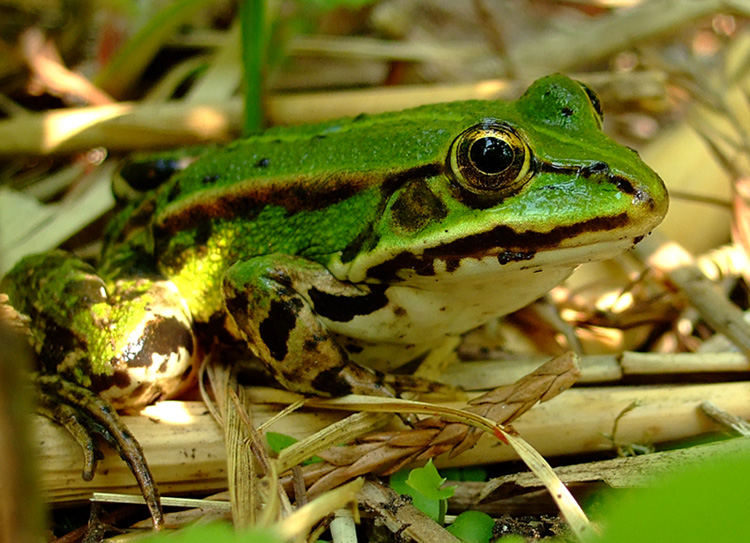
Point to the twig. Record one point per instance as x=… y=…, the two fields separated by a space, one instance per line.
x=131 y=126
x=724 y=418
x=401 y=517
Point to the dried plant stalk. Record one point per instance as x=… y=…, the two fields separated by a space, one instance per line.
x=608 y=368
x=185 y=447
x=255 y=495
x=622 y=472
x=387 y=452
x=131 y=125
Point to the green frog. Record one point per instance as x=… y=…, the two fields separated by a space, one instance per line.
x=336 y=252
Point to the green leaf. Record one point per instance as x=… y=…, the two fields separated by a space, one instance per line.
x=277 y=442
x=423 y=486
x=429 y=506
x=474 y=474
x=701 y=503
x=254 y=50
x=428 y=481
x=472 y=527
x=216 y=532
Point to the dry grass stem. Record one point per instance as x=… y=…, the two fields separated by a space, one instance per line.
x=301 y=521
x=624 y=472
x=589 y=41
x=170 y=430
x=343 y=431
x=728 y=420
x=205 y=504
x=343 y=527
x=149 y=125
x=446 y=431
x=362 y=47
x=674 y=363
x=597 y=368
x=255 y=495
x=180 y=518
x=37 y=227
x=569 y=508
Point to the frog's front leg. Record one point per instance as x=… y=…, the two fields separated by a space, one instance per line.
x=272 y=299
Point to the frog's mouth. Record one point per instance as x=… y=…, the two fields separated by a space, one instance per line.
x=566 y=246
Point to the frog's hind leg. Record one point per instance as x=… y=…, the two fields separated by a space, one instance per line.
x=85 y=414
x=100 y=346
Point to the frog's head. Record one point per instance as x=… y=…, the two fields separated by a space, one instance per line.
x=528 y=184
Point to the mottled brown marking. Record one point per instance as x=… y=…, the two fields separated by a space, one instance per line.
x=300 y=193
x=416 y=207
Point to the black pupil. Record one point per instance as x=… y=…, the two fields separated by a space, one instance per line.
x=491 y=155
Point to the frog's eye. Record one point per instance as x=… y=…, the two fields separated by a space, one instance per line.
x=146 y=175
x=490 y=159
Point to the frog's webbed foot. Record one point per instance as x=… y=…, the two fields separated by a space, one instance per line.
x=85 y=414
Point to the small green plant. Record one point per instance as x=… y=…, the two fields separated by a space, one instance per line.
x=277 y=442
x=423 y=485
x=216 y=532
x=472 y=527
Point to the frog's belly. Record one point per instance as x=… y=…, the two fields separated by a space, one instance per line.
x=419 y=314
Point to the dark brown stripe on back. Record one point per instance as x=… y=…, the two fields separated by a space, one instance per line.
x=294 y=195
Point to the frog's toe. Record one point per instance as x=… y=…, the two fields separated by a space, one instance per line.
x=70 y=418
x=354 y=379
x=84 y=414
x=409 y=383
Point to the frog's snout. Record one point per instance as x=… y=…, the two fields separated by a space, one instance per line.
x=651 y=201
